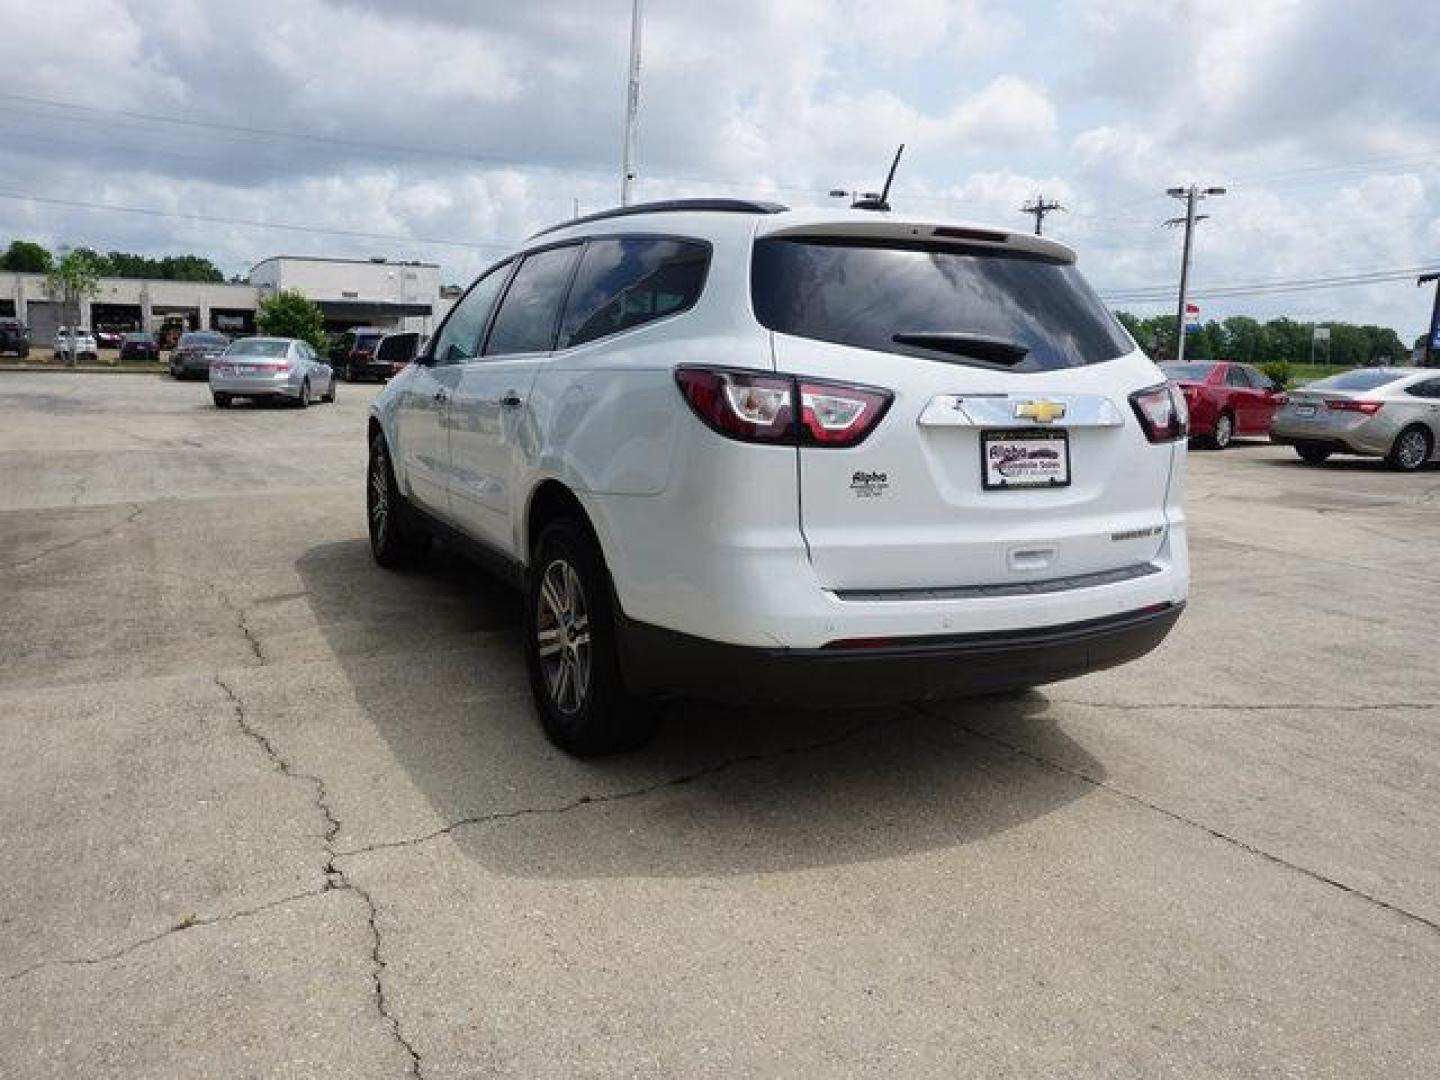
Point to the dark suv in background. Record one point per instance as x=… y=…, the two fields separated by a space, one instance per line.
x=354 y=355
x=14 y=338
x=193 y=352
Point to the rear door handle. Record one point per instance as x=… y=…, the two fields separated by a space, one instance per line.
x=511 y=400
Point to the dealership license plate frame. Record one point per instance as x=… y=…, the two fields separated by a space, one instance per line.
x=1306 y=412
x=991 y=481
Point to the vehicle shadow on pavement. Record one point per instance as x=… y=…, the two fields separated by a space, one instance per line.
x=433 y=658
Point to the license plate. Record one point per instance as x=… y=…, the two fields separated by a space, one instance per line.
x=1024 y=459
x=1304 y=410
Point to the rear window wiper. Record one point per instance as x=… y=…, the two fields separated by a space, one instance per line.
x=980 y=346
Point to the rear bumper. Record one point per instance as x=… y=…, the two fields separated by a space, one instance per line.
x=1370 y=436
x=659 y=661
x=254 y=387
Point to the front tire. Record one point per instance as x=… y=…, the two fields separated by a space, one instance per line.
x=395 y=542
x=222 y=401
x=1411 y=449
x=572 y=651
x=303 y=401
x=329 y=395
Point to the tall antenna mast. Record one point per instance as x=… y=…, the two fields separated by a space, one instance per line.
x=632 y=107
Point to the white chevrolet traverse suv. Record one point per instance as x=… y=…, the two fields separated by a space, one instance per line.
x=813 y=458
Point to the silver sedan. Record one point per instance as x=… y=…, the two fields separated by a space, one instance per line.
x=271 y=367
x=1391 y=412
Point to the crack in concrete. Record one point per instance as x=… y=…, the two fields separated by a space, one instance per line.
x=178 y=928
x=335 y=877
x=723 y=765
x=1174 y=815
x=136 y=509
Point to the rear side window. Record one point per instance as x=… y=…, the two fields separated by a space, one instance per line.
x=985 y=308
x=1235 y=376
x=628 y=282
x=1361 y=379
x=529 y=316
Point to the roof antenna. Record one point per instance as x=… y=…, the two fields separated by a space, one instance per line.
x=871 y=201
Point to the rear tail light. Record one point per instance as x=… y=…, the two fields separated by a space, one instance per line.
x=1369 y=408
x=755 y=406
x=1162 y=412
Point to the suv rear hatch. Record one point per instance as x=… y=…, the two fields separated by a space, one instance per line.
x=1011 y=458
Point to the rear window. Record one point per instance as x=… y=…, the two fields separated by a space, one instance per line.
x=1188 y=372
x=367 y=341
x=202 y=338
x=625 y=283
x=866 y=294
x=1362 y=379
x=258 y=347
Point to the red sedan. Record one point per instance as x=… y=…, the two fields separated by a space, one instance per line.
x=1225 y=399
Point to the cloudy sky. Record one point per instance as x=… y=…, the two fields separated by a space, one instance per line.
x=444 y=129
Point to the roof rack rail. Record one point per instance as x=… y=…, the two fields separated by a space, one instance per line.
x=674 y=206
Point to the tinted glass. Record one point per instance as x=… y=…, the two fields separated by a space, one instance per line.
x=530 y=313
x=1235 y=376
x=258 y=347
x=1188 y=372
x=1430 y=388
x=200 y=337
x=1361 y=379
x=1259 y=379
x=625 y=283
x=459 y=338
x=864 y=295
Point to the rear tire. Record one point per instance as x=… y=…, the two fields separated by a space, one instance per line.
x=222 y=401
x=572 y=650
x=1412 y=449
x=395 y=540
x=1314 y=455
x=329 y=396
x=1224 y=432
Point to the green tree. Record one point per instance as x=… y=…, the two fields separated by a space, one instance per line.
x=73 y=278
x=291 y=314
x=26 y=257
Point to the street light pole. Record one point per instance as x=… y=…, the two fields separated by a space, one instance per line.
x=1192 y=196
x=632 y=107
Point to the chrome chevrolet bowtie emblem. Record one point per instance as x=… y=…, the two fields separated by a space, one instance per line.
x=1042 y=412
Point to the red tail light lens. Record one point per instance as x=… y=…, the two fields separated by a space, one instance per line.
x=1162 y=412
x=759 y=407
x=1369 y=408
x=742 y=405
x=836 y=415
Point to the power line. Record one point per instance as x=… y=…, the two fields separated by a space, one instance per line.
x=278 y=225
x=1346 y=274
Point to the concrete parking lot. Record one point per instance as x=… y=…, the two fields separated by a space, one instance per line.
x=266 y=810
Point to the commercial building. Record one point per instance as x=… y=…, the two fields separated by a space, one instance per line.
x=351 y=292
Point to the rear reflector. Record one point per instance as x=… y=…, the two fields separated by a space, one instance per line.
x=757 y=406
x=1369 y=408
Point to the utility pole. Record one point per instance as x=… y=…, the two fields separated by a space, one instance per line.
x=632 y=107
x=1038 y=208
x=1434 y=333
x=1192 y=196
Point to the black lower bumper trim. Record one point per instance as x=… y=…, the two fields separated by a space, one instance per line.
x=659 y=661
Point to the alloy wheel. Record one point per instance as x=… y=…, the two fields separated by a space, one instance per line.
x=563 y=636
x=1413 y=450
x=1224 y=431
